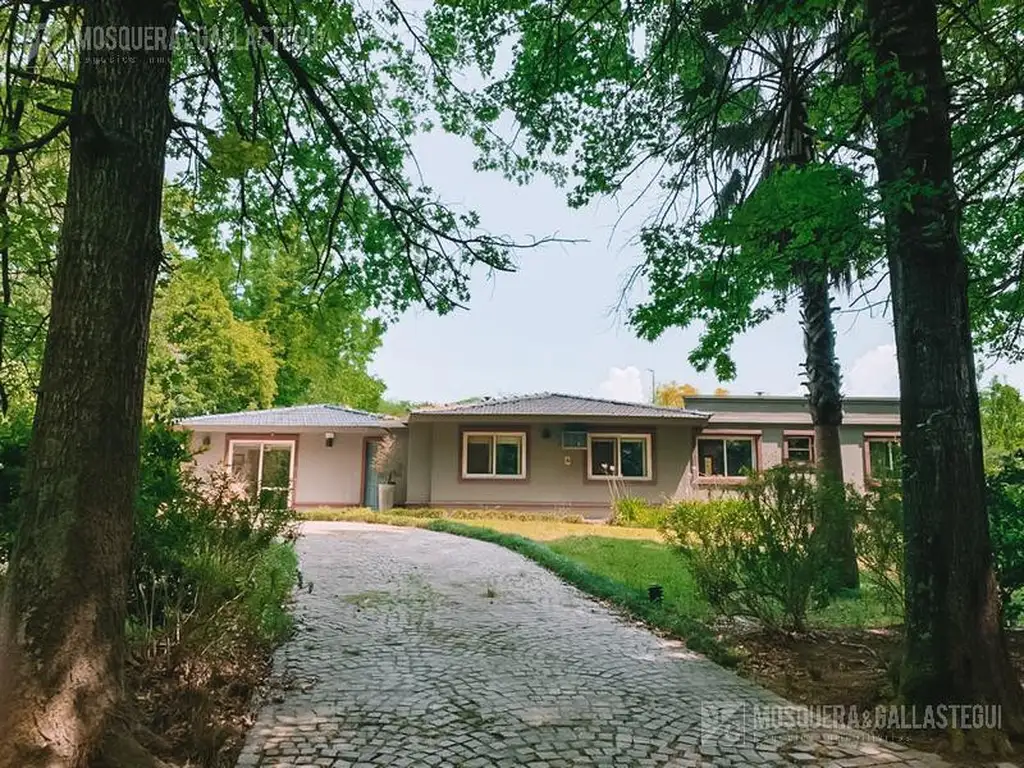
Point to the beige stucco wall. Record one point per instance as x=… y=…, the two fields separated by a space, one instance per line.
x=323 y=476
x=771 y=417
x=436 y=479
x=420 y=446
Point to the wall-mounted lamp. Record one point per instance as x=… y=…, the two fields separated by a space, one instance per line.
x=206 y=441
x=329 y=439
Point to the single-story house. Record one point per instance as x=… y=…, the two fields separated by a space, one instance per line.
x=545 y=451
x=319 y=455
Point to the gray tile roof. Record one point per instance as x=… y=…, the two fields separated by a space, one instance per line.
x=554 y=404
x=337 y=416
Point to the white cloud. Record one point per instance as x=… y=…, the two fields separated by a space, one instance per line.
x=873 y=373
x=624 y=384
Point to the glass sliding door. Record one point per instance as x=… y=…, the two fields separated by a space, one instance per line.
x=265 y=468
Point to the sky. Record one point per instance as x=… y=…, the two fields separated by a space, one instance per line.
x=553 y=325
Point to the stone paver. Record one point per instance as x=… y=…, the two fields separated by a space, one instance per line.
x=421 y=649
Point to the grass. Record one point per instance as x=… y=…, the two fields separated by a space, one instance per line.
x=532 y=526
x=864 y=609
x=432 y=513
x=638 y=564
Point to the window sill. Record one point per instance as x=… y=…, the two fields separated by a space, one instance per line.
x=617 y=478
x=722 y=480
x=494 y=477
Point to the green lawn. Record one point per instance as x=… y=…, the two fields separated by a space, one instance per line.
x=639 y=564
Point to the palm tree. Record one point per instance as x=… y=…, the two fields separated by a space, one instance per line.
x=790 y=133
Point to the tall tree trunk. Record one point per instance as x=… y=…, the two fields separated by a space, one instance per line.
x=824 y=381
x=825 y=401
x=955 y=647
x=63 y=611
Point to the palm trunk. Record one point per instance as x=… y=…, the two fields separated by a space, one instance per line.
x=825 y=401
x=955 y=648
x=63 y=612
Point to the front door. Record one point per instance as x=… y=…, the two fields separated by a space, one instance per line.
x=369 y=475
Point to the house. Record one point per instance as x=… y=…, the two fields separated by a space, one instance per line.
x=545 y=451
x=769 y=430
x=315 y=455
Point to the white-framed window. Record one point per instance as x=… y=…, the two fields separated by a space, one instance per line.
x=730 y=456
x=494 y=455
x=266 y=468
x=614 y=455
x=798 y=449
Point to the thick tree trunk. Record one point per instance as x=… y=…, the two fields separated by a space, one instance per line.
x=825 y=401
x=63 y=611
x=955 y=647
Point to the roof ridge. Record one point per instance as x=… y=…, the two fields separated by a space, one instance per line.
x=485 y=402
x=253 y=410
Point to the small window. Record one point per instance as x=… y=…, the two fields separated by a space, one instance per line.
x=494 y=455
x=626 y=456
x=725 y=456
x=798 y=449
x=884 y=457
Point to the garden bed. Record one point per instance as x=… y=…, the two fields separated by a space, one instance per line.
x=848 y=667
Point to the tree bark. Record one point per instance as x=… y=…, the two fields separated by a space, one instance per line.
x=955 y=648
x=63 y=611
x=824 y=381
x=825 y=402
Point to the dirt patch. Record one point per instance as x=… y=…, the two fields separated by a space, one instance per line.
x=198 y=714
x=851 y=668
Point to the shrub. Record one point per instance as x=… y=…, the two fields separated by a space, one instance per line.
x=761 y=555
x=635 y=512
x=1006 y=527
x=878 y=535
x=703 y=532
x=202 y=551
x=630 y=510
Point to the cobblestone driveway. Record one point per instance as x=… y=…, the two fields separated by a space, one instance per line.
x=422 y=649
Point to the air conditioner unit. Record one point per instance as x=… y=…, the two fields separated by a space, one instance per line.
x=573 y=440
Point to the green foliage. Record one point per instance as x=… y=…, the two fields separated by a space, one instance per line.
x=718 y=274
x=293 y=181
x=1002 y=421
x=1006 y=527
x=878 y=535
x=202 y=359
x=209 y=567
x=636 y=512
x=760 y=556
x=322 y=343
x=688 y=106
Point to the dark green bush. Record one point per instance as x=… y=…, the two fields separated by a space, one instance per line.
x=1006 y=527
x=760 y=555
